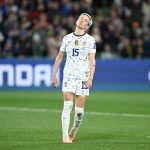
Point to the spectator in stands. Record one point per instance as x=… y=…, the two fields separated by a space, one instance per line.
x=107 y=53
x=113 y=19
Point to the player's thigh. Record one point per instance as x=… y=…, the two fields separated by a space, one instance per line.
x=80 y=101
x=69 y=84
x=68 y=96
x=82 y=89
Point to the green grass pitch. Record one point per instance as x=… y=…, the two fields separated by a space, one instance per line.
x=113 y=121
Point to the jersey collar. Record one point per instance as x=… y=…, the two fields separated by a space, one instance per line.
x=79 y=35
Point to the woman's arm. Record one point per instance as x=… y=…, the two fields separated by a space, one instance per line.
x=92 y=63
x=57 y=63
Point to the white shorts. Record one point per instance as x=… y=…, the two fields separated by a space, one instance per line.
x=74 y=85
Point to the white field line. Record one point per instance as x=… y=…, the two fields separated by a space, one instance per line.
x=59 y=111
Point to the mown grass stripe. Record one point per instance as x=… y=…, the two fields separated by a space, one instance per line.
x=59 y=111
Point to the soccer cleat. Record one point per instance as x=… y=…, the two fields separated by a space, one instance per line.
x=67 y=140
x=72 y=134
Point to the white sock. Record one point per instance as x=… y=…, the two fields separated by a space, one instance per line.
x=78 y=117
x=66 y=117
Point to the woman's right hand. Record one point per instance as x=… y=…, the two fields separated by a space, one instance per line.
x=54 y=81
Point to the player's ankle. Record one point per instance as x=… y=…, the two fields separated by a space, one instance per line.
x=67 y=140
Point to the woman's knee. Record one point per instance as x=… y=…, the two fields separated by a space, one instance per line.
x=80 y=101
x=68 y=96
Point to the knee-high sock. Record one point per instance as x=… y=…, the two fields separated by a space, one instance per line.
x=78 y=117
x=66 y=117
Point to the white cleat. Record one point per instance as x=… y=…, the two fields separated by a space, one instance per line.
x=67 y=140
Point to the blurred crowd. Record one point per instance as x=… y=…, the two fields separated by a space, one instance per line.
x=35 y=28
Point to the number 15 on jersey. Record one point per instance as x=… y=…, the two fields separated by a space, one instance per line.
x=75 y=52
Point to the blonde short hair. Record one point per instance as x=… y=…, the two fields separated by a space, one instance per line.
x=90 y=23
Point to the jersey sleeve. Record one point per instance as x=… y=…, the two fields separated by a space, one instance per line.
x=93 y=46
x=63 y=45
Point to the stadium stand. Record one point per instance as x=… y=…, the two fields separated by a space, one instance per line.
x=34 y=28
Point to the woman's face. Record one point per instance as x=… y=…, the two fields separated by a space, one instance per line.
x=82 y=22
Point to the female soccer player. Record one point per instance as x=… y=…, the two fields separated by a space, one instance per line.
x=77 y=74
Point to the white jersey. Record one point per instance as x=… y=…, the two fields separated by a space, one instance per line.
x=77 y=48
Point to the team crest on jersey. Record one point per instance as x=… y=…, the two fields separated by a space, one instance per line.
x=76 y=42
